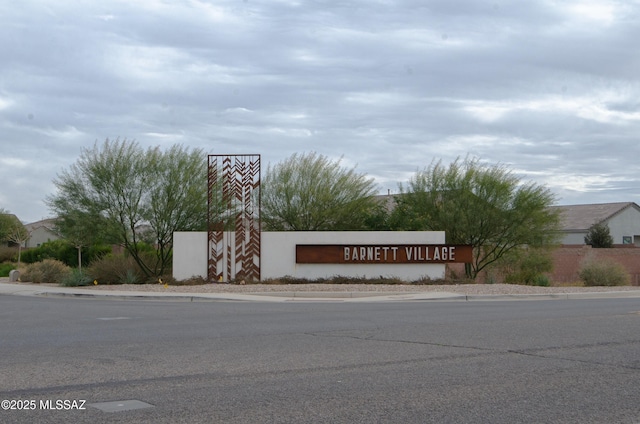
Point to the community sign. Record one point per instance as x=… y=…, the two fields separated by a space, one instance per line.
x=381 y=254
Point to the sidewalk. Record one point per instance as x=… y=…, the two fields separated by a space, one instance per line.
x=26 y=289
x=18 y=289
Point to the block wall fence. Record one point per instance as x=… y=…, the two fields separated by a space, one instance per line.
x=569 y=259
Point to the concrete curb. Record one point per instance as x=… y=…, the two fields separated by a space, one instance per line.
x=605 y=295
x=9 y=289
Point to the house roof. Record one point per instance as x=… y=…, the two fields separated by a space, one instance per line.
x=387 y=201
x=582 y=217
x=572 y=217
x=49 y=224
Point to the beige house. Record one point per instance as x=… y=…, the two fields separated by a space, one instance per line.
x=623 y=220
x=40 y=232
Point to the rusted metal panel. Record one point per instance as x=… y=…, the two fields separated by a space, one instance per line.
x=380 y=254
x=233 y=207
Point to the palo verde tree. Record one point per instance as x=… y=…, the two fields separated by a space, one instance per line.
x=177 y=200
x=12 y=230
x=310 y=192
x=83 y=229
x=5 y=223
x=122 y=189
x=485 y=206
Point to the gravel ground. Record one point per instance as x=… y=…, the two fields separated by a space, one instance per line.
x=470 y=289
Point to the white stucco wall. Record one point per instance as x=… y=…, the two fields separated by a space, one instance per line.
x=189 y=255
x=626 y=223
x=39 y=236
x=576 y=237
x=278 y=254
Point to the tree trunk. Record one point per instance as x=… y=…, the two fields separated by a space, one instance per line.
x=468 y=271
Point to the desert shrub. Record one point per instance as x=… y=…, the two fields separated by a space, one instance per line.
x=8 y=254
x=527 y=266
x=129 y=276
x=76 y=278
x=193 y=281
x=116 y=269
x=287 y=279
x=604 y=272
x=47 y=271
x=541 y=280
x=150 y=259
x=93 y=253
x=143 y=247
x=336 y=279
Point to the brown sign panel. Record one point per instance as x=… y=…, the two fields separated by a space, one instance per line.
x=383 y=254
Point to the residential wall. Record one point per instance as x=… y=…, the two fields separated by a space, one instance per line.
x=576 y=237
x=39 y=236
x=626 y=223
x=567 y=261
x=278 y=254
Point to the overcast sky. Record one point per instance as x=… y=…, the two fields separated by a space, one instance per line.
x=551 y=89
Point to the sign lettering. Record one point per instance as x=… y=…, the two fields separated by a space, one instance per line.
x=371 y=254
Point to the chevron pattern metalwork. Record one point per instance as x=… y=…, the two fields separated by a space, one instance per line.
x=233 y=217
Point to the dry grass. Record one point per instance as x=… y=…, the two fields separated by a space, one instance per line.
x=193 y=281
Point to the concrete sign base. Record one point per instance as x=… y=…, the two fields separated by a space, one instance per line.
x=278 y=258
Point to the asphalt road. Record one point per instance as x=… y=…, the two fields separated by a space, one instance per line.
x=557 y=361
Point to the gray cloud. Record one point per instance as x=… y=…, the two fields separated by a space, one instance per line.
x=549 y=89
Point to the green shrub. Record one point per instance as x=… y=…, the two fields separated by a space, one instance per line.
x=599 y=236
x=47 y=271
x=128 y=276
x=94 y=253
x=60 y=250
x=527 y=266
x=604 y=273
x=116 y=269
x=76 y=278
x=5 y=268
x=65 y=252
x=541 y=280
x=150 y=259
